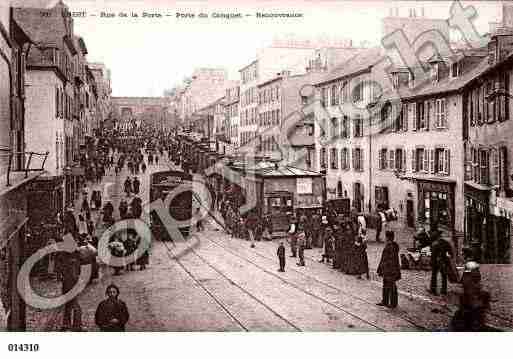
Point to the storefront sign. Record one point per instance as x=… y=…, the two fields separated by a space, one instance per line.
x=304 y=186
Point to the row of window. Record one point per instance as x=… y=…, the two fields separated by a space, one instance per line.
x=340 y=128
x=247 y=136
x=268 y=144
x=356 y=156
x=434 y=161
x=269 y=95
x=342 y=92
x=249 y=96
x=232 y=93
x=480 y=109
x=423 y=115
x=232 y=110
x=64 y=104
x=269 y=118
x=488 y=166
x=248 y=116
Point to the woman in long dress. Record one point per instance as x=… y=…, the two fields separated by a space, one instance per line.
x=361 y=262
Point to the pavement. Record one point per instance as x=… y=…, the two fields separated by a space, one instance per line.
x=213 y=282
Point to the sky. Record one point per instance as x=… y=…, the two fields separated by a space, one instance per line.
x=147 y=56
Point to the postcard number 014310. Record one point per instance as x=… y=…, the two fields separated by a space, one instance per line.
x=23 y=347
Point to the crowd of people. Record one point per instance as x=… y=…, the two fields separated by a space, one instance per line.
x=113 y=153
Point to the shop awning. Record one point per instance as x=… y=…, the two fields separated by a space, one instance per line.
x=285 y=171
x=478 y=186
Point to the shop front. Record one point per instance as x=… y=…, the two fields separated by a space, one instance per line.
x=45 y=203
x=487 y=225
x=436 y=205
x=288 y=190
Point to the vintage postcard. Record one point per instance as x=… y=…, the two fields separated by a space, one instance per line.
x=262 y=166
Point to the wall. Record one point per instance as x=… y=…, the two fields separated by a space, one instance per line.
x=41 y=126
x=452 y=138
x=5 y=86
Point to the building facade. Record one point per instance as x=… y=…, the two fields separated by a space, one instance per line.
x=488 y=133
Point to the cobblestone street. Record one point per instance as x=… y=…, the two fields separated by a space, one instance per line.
x=221 y=284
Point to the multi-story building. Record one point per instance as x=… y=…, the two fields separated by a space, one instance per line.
x=15 y=205
x=283 y=130
x=104 y=91
x=248 y=105
x=52 y=116
x=232 y=101
x=488 y=135
x=206 y=86
x=342 y=138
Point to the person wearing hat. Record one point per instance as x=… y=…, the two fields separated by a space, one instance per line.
x=441 y=252
x=301 y=243
x=112 y=313
x=281 y=257
x=329 y=244
x=390 y=269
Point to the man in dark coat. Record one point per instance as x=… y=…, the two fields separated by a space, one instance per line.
x=441 y=251
x=108 y=210
x=123 y=209
x=128 y=186
x=317 y=234
x=136 y=184
x=281 y=257
x=390 y=269
x=112 y=313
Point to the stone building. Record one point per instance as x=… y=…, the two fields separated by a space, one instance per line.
x=206 y=86
x=232 y=101
x=53 y=116
x=102 y=80
x=130 y=112
x=488 y=136
x=14 y=181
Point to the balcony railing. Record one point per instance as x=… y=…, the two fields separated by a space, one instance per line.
x=27 y=157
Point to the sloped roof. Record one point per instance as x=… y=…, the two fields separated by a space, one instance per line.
x=445 y=85
x=45 y=30
x=360 y=62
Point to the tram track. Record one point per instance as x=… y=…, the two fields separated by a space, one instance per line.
x=324 y=284
x=309 y=277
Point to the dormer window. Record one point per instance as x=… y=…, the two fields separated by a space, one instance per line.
x=455 y=69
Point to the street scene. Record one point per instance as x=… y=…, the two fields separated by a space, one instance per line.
x=320 y=186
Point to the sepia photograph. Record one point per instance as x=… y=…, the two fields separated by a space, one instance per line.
x=261 y=166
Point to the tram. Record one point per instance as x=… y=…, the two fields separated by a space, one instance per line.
x=179 y=207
